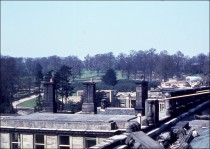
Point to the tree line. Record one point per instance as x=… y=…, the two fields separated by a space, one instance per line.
x=150 y=64
x=20 y=76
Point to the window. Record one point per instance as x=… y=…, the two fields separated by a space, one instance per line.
x=39 y=141
x=122 y=103
x=15 y=140
x=64 y=142
x=133 y=103
x=90 y=141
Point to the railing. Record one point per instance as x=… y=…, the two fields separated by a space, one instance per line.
x=161 y=104
x=176 y=105
x=153 y=107
x=173 y=105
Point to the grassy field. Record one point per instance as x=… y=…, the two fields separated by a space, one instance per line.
x=86 y=75
x=30 y=103
x=93 y=74
x=90 y=74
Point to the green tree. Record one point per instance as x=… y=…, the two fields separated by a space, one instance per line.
x=165 y=66
x=38 y=81
x=64 y=77
x=110 y=77
x=8 y=83
x=76 y=64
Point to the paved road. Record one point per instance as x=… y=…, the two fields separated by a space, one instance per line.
x=15 y=103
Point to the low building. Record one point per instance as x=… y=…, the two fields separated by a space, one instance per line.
x=55 y=130
x=74 y=99
x=49 y=129
x=126 y=99
x=80 y=92
x=110 y=95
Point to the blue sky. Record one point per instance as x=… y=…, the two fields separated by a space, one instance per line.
x=45 y=28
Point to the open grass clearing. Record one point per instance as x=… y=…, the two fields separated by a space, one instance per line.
x=29 y=103
x=93 y=74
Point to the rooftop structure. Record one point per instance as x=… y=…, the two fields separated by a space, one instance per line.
x=79 y=129
x=57 y=121
x=49 y=129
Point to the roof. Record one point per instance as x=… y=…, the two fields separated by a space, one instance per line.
x=116 y=111
x=202 y=141
x=67 y=121
x=72 y=117
x=126 y=94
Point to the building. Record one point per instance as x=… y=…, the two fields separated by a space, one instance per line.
x=50 y=129
x=110 y=95
x=55 y=130
x=126 y=99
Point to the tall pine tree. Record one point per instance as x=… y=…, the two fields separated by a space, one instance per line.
x=110 y=77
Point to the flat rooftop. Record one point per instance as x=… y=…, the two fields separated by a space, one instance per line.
x=68 y=121
x=73 y=117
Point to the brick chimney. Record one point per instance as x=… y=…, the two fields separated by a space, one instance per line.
x=141 y=96
x=49 y=104
x=89 y=105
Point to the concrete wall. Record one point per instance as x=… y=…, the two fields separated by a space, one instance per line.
x=56 y=124
x=100 y=139
x=77 y=142
x=4 y=140
x=27 y=141
x=51 y=141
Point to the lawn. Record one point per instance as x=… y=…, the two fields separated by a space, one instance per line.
x=88 y=74
x=92 y=74
x=30 y=103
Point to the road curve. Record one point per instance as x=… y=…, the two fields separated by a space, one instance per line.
x=15 y=103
